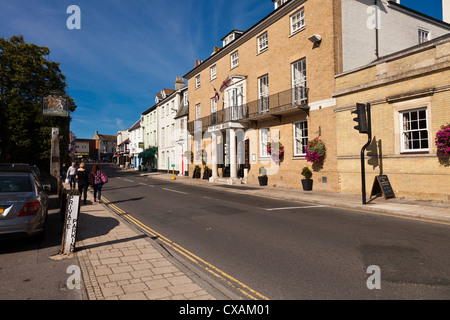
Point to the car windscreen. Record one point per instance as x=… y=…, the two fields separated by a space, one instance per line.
x=11 y=183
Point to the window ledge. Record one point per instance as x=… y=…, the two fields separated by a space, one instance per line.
x=262 y=51
x=297 y=31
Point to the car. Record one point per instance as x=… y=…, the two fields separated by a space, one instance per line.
x=23 y=202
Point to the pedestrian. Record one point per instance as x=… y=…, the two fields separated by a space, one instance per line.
x=83 y=181
x=71 y=175
x=97 y=182
x=63 y=171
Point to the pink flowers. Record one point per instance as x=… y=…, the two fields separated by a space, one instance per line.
x=315 y=150
x=443 y=141
x=280 y=150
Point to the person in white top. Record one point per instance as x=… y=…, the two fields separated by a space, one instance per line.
x=71 y=174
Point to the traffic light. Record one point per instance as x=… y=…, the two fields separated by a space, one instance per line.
x=361 y=118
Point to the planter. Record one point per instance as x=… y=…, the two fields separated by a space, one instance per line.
x=207 y=174
x=263 y=180
x=307 y=184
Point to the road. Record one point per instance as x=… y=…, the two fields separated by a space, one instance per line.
x=265 y=248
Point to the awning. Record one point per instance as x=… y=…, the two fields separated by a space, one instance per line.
x=150 y=153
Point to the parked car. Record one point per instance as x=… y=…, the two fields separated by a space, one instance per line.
x=23 y=202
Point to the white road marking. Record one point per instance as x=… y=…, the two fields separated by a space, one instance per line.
x=128 y=180
x=175 y=191
x=293 y=208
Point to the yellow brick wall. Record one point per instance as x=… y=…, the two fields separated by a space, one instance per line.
x=419 y=176
x=284 y=49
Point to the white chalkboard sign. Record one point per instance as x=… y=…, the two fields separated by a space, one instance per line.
x=71 y=223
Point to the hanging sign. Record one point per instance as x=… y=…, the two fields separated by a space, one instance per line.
x=55 y=105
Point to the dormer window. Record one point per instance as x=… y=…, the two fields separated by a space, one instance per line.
x=279 y=3
x=233 y=35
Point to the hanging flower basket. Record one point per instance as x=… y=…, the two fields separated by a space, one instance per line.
x=275 y=156
x=315 y=150
x=443 y=141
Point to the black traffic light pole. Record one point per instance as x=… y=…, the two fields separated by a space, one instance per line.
x=364 y=126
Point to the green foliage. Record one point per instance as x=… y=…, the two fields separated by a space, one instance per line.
x=26 y=76
x=306 y=172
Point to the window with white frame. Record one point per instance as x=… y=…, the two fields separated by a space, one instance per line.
x=163 y=161
x=263 y=42
x=299 y=81
x=414 y=130
x=197 y=82
x=424 y=35
x=198 y=111
x=167 y=136
x=300 y=137
x=213 y=72
x=263 y=93
x=278 y=3
x=186 y=98
x=234 y=59
x=263 y=140
x=163 y=137
x=213 y=110
x=297 y=21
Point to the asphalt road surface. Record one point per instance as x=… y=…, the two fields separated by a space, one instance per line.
x=282 y=250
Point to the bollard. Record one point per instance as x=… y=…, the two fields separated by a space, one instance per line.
x=173 y=172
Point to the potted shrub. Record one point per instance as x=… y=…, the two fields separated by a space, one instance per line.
x=207 y=173
x=262 y=176
x=307 y=183
x=197 y=172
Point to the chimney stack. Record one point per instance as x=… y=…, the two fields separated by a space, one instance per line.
x=179 y=83
x=446 y=11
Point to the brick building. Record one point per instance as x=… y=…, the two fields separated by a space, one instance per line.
x=409 y=93
x=275 y=83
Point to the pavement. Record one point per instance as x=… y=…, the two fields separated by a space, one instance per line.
x=119 y=262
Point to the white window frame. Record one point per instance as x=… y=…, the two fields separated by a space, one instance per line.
x=234 y=59
x=198 y=111
x=213 y=72
x=302 y=140
x=424 y=35
x=299 y=80
x=297 y=21
x=408 y=130
x=213 y=111
x=264 y=138
x=263 y=42
x=197 y=82
x=263 y=94
x=186 y=98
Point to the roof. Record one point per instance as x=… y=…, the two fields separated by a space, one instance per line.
x=183 y=110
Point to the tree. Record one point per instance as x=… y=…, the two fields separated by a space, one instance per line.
x=26 y=76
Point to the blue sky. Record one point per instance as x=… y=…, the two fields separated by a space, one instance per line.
x=127 y=50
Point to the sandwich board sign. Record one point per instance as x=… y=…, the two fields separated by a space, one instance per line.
x=382 y=185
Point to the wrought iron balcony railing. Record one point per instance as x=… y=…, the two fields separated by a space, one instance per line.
x=289 y=100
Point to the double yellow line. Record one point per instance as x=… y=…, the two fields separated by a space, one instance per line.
x=229 y=280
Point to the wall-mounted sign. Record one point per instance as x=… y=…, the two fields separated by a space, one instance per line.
x=55 y=105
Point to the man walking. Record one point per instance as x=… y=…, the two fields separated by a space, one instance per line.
x=71 y=174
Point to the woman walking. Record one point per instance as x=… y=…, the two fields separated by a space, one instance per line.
x=83 y=181
x=97 y=183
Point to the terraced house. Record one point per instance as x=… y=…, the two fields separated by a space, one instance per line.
x=259 y=99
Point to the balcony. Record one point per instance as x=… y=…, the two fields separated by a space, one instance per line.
x=276 y=105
